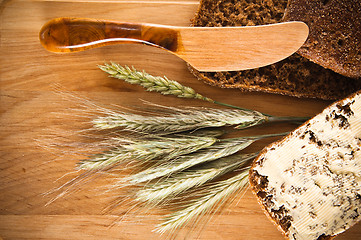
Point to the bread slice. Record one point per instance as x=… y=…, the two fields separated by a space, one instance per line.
x=334 y=41
x=309 y=183
x=294 y=76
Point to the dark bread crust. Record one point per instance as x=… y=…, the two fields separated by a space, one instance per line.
x=279 y=219
x=294 y=76
x=334 y=41
x=259 y=184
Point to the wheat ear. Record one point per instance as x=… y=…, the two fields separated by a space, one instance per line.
x=223 y=148
x=212 y=197
x=158 y=84
x=220 y=149
x=169 y=87
x=180 y=120
x=168 y=188
x=145 y=150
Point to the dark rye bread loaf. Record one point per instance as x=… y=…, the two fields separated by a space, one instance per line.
x=294 y=76
x=334 y=41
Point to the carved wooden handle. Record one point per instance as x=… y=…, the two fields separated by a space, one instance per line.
x=78 y=34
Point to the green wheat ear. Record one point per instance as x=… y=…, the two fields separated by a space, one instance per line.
x=179 y=120
x=170 y=87
x=146 y=150
x=208 y=199
x=157 y=84
x=169 y=188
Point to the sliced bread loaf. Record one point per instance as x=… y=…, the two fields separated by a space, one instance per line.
x=334 y=41
x=309 y=183
x=294 y=76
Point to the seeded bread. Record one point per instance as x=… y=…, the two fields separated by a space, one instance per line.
x=334 y=41
x=309 y=183
x=294 y=76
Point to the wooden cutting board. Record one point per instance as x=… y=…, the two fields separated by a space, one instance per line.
x=41 y=129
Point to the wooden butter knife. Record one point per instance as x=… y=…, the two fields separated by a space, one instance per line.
x=205 y=48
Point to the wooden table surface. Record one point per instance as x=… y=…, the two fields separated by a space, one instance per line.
x=40 y=140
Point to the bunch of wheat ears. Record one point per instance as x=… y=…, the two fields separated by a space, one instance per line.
x=178 y=151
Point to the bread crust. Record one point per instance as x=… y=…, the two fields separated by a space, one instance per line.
x=254 y=88
x=335 y=33
x=257 y=184
x=295 y=76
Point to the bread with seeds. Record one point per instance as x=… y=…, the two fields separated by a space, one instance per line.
x=309 y=183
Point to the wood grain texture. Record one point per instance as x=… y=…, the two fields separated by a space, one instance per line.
x=31 y=110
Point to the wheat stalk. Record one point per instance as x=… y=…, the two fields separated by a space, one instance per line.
x=169 y=87
x=220 y=149
x=146 y=149
x=158 y=84
x=223 y=148
x=213 y=196
x=168 y=188
x=180 y=120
